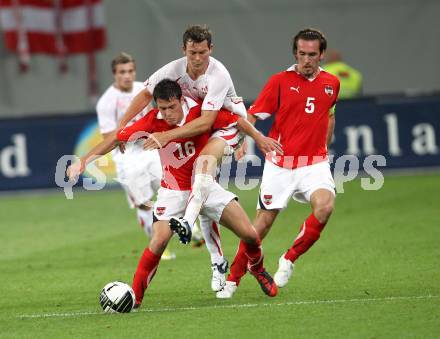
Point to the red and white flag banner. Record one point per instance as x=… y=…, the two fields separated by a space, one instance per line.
x=55 y=27
x=79 y=24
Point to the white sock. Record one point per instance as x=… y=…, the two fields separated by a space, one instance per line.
x=197 y=232
x=145 y=218
x=211 y=234
x=198 y=196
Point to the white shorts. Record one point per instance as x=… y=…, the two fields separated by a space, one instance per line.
x=172 y=203
x=279 y=184
x=232 y=137
x=139 y=172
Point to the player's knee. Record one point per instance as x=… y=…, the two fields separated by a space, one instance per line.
x=324 y=211
x=206 y=164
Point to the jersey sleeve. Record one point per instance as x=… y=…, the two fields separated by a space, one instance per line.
x=218 y=86
x=225 y=119
x=107 y=114
x=267 y=102
x=140 y=129
x=166 y=72
x=332 y=110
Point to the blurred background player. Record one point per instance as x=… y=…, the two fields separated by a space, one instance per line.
x=205 y=80
x=349 y=77
x=139 y=172
x=302 y=100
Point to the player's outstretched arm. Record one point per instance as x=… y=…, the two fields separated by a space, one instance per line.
x=104 y=147
x=331 y=128
x=195 y=127
x=265 y=144
x=139 y=102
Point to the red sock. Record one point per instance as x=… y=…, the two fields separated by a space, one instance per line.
x=144 y=273
x=254 y=255
x=309 y=233
x=239 y=265
x=248 y=256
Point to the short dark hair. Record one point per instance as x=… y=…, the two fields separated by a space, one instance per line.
x=121 y=58
x=310 y=34
x=197 y=33
x=167 y=89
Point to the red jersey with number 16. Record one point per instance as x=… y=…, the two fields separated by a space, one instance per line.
x=301 y=107
x=178 y=156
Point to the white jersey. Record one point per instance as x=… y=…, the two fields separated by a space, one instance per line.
x=138 y=171
x=113 y=104
x=111 y=108
x=214 y=87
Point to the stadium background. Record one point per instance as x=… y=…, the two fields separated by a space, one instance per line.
x=253 y=39
x=392 y=43
x=383 y=244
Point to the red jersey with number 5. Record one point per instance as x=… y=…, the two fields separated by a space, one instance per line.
x=301 y=107
x=178 y=156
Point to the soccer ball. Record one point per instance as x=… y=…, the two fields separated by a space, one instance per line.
x=117 y=297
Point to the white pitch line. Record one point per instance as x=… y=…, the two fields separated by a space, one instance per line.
x=195 y=308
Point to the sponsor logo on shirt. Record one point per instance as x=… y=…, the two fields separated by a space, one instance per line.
x=237 y=100
x=328 y=90
x=296 y=89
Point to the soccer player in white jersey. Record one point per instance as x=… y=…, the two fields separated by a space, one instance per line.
x=138 y=172
x=205 y=80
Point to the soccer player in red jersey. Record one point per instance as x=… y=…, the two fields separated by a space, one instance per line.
x=205 y=79
x=177 y=160
x=302 y=100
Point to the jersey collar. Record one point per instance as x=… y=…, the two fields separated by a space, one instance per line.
x=188 y=103
x=293 y=69
x=207 y=68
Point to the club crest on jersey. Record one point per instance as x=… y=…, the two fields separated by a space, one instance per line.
x=267 y=198
x=160 y=210
x=328 y=90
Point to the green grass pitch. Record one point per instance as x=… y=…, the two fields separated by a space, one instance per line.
x=375 y=272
